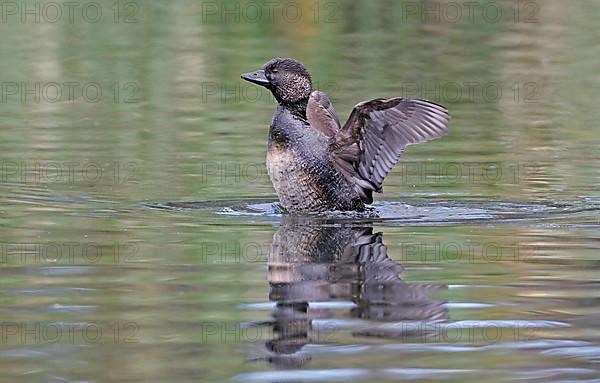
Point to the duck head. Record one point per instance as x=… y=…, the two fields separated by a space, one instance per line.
x=287 y=79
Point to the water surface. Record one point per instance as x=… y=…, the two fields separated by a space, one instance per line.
x=141 y=239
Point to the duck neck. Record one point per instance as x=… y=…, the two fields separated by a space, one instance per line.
x=297 y=108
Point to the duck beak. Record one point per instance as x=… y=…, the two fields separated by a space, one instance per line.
x=258 y=77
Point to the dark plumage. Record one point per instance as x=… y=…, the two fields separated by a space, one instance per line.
x=314 y=162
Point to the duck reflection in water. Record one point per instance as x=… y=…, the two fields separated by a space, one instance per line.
x=343 y=267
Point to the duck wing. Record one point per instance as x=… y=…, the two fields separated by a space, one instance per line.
x=321 y=115
x=376 y=133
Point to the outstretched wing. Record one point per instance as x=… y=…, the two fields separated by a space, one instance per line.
x=376 y=133
x=321 y=115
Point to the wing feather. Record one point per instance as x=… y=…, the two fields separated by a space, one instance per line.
x=321 y=115
x=375 y=135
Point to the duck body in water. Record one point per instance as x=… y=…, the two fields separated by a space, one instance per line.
x=315 y=163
